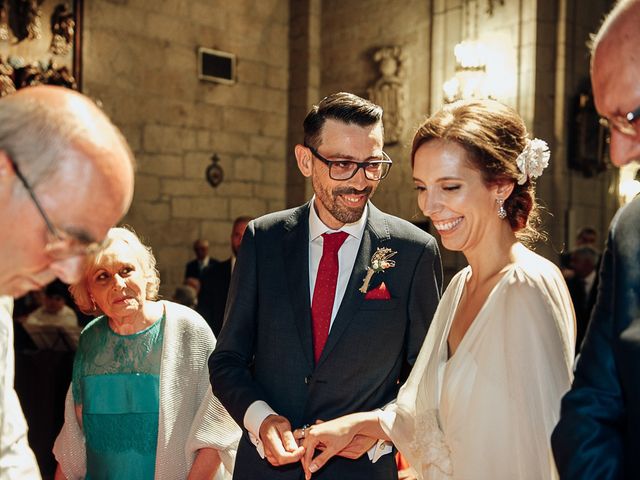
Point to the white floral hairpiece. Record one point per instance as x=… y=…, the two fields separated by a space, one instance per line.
x=533 y=160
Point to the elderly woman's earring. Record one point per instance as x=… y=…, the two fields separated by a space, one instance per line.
x=93 y=302
x=502 y=213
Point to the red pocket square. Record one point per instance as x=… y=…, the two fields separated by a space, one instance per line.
x=381 y=292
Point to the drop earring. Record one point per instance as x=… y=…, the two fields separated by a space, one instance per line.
x=502 y=213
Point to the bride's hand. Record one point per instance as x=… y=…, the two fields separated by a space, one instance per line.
x=332 y=437
x=359 y=445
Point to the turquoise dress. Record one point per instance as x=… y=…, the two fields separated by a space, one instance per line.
x=116 y=379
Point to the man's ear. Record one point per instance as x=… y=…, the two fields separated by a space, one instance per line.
x=304 y=159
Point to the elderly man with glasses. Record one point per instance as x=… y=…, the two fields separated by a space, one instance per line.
x=598 y=436
x=328 y=306
x=66 y=177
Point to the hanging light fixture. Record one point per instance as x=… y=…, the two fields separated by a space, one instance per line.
x=470 y=79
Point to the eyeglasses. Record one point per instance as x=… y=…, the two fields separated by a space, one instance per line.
x=60 y=244
x=346 y=169
x=625 y=124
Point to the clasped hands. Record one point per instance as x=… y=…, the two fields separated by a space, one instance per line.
x=282 y=445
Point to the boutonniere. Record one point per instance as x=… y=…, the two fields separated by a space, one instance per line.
x=379 y=263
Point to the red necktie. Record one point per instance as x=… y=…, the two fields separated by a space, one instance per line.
x=324 y=291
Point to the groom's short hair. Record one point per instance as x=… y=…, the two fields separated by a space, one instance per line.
x=344 y=107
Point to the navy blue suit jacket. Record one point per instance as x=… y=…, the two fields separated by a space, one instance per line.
x=598 y=436
x=265 y=348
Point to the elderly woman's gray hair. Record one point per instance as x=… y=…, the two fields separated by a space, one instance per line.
x=143 y=254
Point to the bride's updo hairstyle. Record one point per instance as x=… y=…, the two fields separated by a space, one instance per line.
x=493 y=136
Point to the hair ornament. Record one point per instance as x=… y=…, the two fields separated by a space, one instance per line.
x=533 y=160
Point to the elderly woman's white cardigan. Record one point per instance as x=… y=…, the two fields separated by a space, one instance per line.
x=191 y=417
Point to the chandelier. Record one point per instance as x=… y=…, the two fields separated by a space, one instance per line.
x=470 y=78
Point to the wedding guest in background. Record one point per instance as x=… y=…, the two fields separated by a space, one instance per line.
x=583 y=287
x=483 y=396
x=194 y=268
x=214 y=283
x=598 y=436
x=310 y=331
x=61 y=160
x=24 y=305
x=186 y=295
x=586 y=237
x=140 y=404
x=54 y=310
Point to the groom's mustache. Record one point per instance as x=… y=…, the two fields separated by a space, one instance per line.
x=352 y=191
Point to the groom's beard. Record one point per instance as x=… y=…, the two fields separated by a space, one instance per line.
x=337 y=207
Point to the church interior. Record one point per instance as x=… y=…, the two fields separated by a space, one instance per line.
x=211 y=96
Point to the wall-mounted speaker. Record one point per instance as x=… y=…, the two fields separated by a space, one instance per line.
x=216 y=66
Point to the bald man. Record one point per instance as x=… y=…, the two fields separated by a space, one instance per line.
x=598 y=436
x=66 y=177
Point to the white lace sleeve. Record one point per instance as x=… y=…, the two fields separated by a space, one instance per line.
x=69 y=447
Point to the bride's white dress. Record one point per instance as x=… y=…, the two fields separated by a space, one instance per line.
x=488 y=411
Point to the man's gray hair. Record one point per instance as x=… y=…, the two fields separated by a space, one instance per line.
x=39 y=136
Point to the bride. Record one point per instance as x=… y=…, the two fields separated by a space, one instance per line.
x=484 y=394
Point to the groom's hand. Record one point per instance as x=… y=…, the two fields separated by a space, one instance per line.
x=280 y=448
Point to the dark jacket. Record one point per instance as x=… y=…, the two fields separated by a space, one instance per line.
x=212 y=297
x=583 y=303
x=598 y=436
x=265 y=349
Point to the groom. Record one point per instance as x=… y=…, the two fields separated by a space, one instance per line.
x=328 y=305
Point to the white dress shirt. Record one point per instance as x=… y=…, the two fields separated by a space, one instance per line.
x=65 y=317
x=346 y=255
x=259 y=410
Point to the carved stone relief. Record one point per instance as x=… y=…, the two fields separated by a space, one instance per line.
x=389 y=91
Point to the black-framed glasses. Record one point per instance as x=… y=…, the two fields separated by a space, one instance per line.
x=345 y=169
x=60 y=244
x=625 y=124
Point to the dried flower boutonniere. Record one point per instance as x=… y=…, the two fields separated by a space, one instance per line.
x=379 y=263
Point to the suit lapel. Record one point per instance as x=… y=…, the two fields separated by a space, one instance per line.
x=295 y=250
x=375 y=233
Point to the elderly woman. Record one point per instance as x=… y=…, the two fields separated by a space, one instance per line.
x=140 y=404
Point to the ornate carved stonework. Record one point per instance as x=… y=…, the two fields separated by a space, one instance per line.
x=389 y=90
x=491 y=6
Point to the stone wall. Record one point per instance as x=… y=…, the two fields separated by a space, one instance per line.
x=140 y=62
x=538 y=59
x=583 y=200
x=352 y=30
x=304 y=87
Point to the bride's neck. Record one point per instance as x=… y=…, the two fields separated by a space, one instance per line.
x=490 y=261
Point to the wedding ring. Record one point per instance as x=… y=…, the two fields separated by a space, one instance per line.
x=304 y=430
